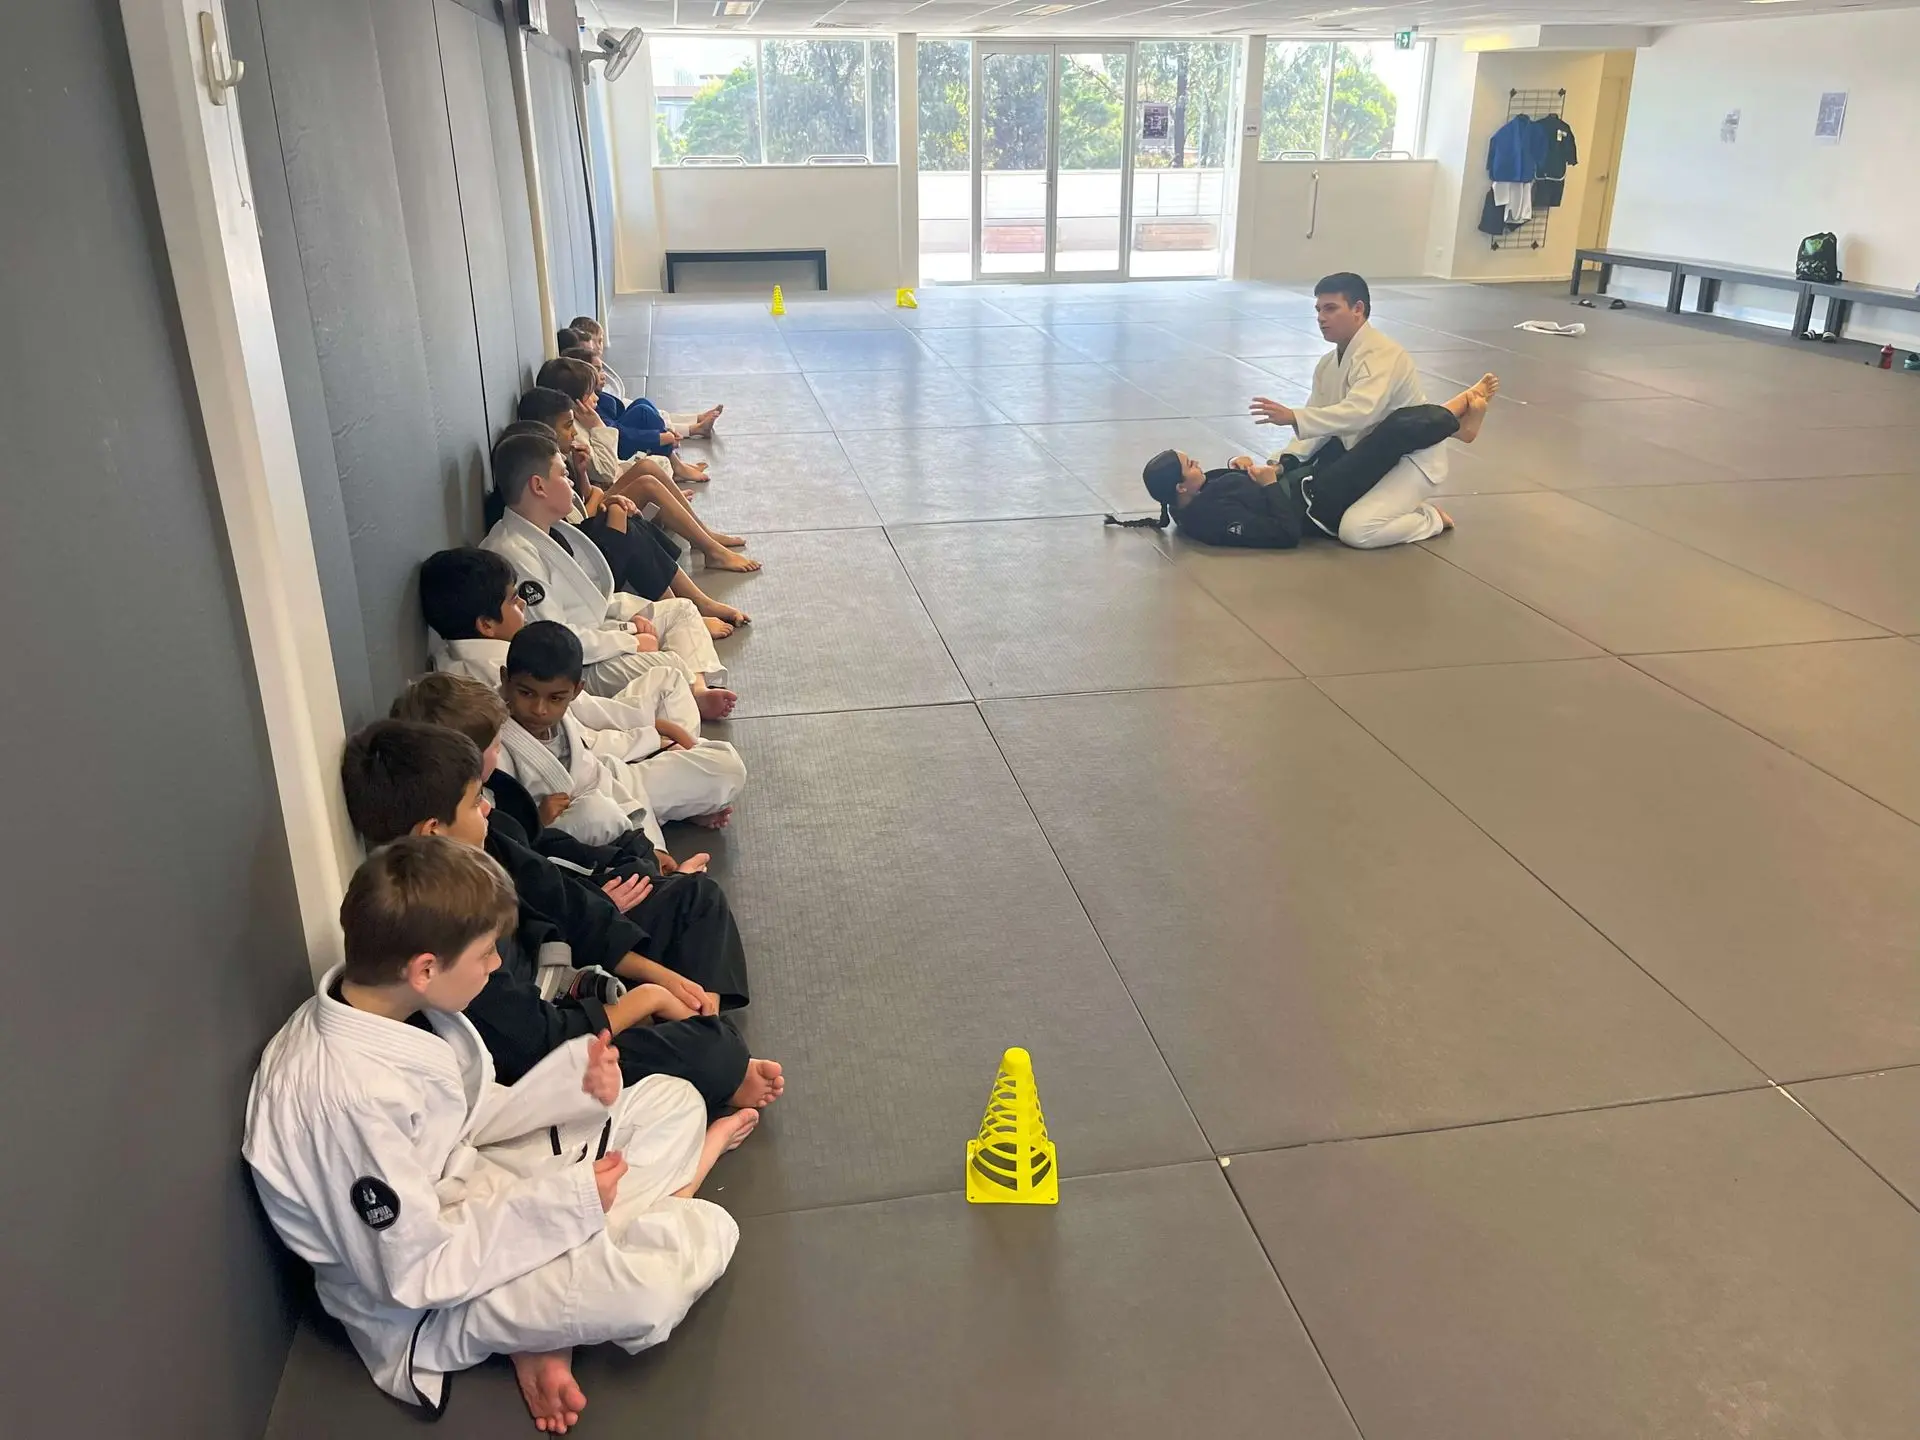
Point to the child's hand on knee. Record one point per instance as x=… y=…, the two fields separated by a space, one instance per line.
x=607 y=1171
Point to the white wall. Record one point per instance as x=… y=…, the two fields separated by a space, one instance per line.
x=1372 y=218
x=853 y=210
x=1685 y=192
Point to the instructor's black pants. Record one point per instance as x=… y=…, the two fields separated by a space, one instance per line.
x=1334 y=476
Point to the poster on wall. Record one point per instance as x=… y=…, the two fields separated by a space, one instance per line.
x=1832 y=118
x=1730 y=128
x=1156 y=120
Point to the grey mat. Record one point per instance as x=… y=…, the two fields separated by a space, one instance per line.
x=1343 y=953
x=781 y=482
x=1035 y=607
x=1333 y=612
x=1708 y=1267
x=1046 y=394
x=889 y=349
x=932 y=395
x=979 y=472
x=747 y=353
x=1624 y=587
x=1851 y=707
x=800 y=654
x=923 y=1317
x=1854 y=543
x=756 y=404
x=899 y=946
x=1873 y=1116
x=1776 y=902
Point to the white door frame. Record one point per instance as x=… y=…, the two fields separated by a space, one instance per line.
x=1053 y=50
x=200 y=180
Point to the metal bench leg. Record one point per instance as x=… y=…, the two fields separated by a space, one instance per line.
x=1803 y=313
x=1578 y=267
x=820 y=263
x=1709 y=296
x=1606 y=277
x=1675 y=290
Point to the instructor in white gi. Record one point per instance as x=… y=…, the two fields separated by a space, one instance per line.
x=1364 y=379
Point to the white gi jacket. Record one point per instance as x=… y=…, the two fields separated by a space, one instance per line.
x=1353 y=393
x=607 y=797
x=431 y=1201
x=576 y=589
x=364 y=1138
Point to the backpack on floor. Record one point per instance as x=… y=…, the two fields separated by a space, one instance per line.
x=1819 y=258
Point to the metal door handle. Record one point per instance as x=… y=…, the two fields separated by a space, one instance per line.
x=1313 y=206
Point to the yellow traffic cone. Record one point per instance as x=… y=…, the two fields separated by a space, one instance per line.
x=1013 y=1162
x=903 y=299
x=779 y=302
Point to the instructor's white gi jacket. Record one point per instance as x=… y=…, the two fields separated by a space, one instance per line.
x=1353 y=393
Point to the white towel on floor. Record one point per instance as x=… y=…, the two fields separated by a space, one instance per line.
x=1548 y=327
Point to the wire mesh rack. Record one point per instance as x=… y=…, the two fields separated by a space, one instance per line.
x=1536 y=105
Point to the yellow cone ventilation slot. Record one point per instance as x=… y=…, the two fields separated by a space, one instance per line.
x=1013 y=1162
x=779 y=302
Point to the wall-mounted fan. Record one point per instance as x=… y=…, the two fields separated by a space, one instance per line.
x=617 y=48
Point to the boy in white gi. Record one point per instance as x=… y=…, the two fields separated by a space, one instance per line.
x=471 y=601
x=637 y=762
x=563 y=576
x=448 y=1218
x=1361 y=381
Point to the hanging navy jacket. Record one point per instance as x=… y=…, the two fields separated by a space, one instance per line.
x=1517 y=150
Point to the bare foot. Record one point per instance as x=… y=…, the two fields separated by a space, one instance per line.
x=731 y=615
x=732 y=542
x=717 y=819
x=703 y=427
x=1473 y=419
x=693 y=864
x=1487 y=386
x=724 y=559
x=1446 y=520
x=719 y=630
x=765 y=1083
x=692 y=472
x=716 y=704
x=553 y=1397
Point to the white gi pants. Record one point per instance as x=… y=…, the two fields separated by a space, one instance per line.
x=1396 y=511
x=685 y=642
x=681 y=784
x=635 y=1280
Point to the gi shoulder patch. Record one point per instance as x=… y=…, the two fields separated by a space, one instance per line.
x=532 y=591
x=375 y=1201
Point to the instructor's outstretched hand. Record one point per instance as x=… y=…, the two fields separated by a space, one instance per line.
x=1270 y=412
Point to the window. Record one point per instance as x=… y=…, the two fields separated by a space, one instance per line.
x=722 y=101
x=1184 y=97
x=1374 y=102
x=946 y=141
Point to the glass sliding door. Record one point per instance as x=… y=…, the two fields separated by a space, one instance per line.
x=1050 y=159
x=1185 y=94
x=1090 y=125
x=946 y=147
x=1013 y=159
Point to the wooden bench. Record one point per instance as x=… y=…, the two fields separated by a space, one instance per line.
x=1842 y=295
x=676 y=258
x=1710 y=275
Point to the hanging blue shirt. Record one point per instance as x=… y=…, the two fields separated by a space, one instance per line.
x=1517 y=150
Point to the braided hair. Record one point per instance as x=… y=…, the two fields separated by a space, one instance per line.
x=1162 y=475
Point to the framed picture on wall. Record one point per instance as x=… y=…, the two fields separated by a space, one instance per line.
x=1832 y=118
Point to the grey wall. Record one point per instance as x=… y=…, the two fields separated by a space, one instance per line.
x=152 y=942
x=385 y=152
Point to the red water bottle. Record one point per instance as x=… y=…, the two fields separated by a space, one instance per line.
x=1886 y=357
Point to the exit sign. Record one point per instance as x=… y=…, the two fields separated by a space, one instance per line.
x=1403 y=39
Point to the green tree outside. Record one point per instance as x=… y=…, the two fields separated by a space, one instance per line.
x=1293 y=97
